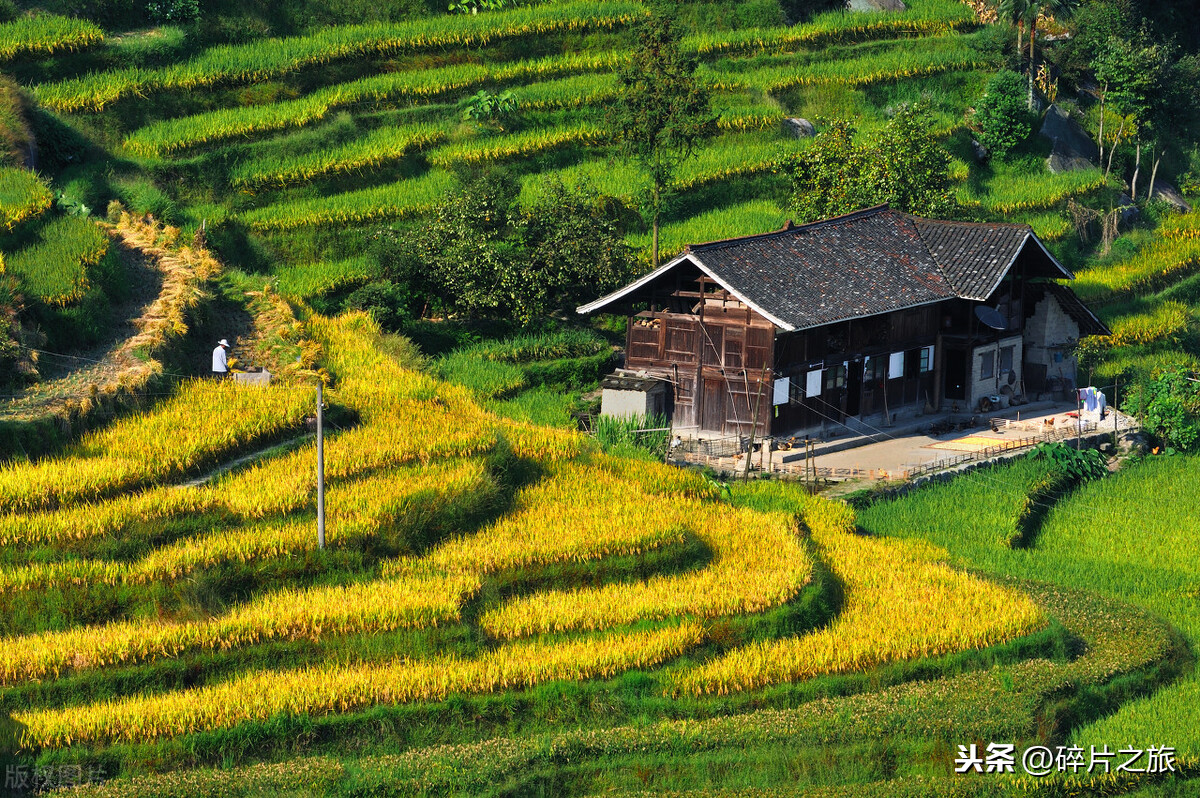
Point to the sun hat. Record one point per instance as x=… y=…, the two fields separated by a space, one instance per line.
x=222 y=342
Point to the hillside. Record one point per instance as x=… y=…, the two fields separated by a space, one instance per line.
x=505 y=605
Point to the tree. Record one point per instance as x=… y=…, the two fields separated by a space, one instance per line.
x=1025 y=13
x=904 y=166
x=1003 y=120
x=661 y=112
x=482 y=255
x=1136 y=74
x=574 y=244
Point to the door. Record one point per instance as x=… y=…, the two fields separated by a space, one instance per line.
x=854 y=388
x=956 y=375
x=712 y=409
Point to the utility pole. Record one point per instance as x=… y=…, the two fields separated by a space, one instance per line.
x=320 y=468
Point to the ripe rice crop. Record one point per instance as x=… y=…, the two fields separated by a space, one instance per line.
x=517 y=145
x=172 y=441
x=1168 y=321
x=55 y=270
x=1014 y=192
x=915 y=607
x=1163 y=262
x=920 y=18
x=576 y=91
x=172 y=135
x=759 y=563
x=1181 y=227
x=734 y=156
x=412 y=602
x=398 y=505
x=23 y=196
x=919 y=58
x=310 y=280
x=46 y=34
x=393 y=201
x=379 y=147
x=748 y=218
x=324 y=690
x=268 y=58
x=552 y=522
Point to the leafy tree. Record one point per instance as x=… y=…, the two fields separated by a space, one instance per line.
x=1001 y=114
x=904 y=166
x=1149 y=91
x=1025 y=14
x=481 y=255
x=661 y=112
x=574 y=243
x=1169 y=408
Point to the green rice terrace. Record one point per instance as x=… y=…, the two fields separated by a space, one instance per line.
x=405 y=202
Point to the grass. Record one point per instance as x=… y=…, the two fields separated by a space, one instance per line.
x=267 y=58
x=23 y=196
x=1100 y=538
x=55 y=269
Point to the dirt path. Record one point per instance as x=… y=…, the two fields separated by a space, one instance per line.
x=77 y=375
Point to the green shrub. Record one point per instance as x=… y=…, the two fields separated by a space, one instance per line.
x=1169 y=408
x=1003 y=119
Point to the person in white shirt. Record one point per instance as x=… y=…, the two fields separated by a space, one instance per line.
x=220 y=364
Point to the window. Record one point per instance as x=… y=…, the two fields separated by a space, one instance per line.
x=987 y=365
x=875 y=370
x=835 y=377
x=926 y=359
x=1006 y=359
x=918 y=361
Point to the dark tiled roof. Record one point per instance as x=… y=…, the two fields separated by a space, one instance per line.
x=1073 y=306
x=857 y=265
x=862 y=264
x=973 y=256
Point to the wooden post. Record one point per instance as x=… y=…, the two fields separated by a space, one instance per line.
x=762 y=379
x=320 y=469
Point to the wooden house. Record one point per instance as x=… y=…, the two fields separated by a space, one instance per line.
x=872 y=314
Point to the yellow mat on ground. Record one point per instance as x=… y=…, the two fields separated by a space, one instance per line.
x=972 y=443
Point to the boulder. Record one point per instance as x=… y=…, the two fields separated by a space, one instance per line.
x=1129 y=211
x=1169 y=194
x=981 y=152
x=1073 y=147
x=875 y=5
x=799 y=128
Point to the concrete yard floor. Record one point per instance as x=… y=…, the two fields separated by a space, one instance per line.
x=896 y=453
x=915 y=449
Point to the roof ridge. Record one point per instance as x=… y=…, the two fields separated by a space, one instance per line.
x=788 y=229
x=962 y=223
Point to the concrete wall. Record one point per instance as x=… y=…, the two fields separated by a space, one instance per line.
x=1049 y=334
x=979 y=386
x=624 y=404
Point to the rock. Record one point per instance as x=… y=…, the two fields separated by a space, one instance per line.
x=1129 y=211
x=1169 y=194
x=1073 y=147
x=799 y=128
x=981 y=152
x=875 y=5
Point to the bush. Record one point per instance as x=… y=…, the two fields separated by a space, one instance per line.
x=1001 y=115
x=1168 y=406
x=1078 y=464
x=388 y=303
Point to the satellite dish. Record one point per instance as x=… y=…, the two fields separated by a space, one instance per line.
x=991 y=317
